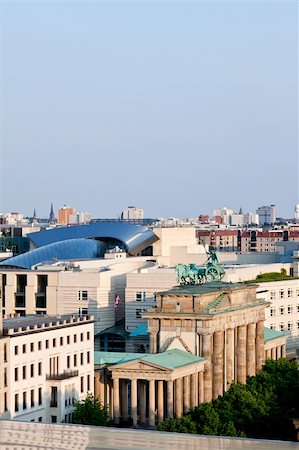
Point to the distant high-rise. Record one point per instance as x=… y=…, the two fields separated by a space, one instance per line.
x=267 y=214
x=131 y=212
x=64 y=213
x=52 y=215
x=297 y=212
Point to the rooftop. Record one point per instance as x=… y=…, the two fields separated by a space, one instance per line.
x=205 y=288
x=270 y=334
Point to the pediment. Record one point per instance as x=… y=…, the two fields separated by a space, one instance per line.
x=140 y=365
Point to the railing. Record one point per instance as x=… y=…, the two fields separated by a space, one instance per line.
x=62 y=376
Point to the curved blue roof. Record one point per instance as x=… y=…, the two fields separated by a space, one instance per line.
x=66 y=250
x=135 y=238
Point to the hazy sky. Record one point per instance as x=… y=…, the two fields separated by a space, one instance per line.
x=176 y=107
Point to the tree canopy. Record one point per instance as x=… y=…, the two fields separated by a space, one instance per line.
x=90 y=411
x=261 y=408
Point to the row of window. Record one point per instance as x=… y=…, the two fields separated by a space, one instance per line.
x=75 y=359
x=55 y=342
x=284 y=294
x=28 y=401
x=31 y=373
x=290 y=326
x=82 y=384
x=284 y=310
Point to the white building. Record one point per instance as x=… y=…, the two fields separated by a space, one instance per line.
x=131 y=212
x=47 y=363
x=267 y=214
x=297 y=212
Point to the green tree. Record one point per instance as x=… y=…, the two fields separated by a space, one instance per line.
x=90 y=411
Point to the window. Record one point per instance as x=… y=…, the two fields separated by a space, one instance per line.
x=39 y=368
x=81 y=337
x=24 y=400
x=88 y=335
x=53 y=419
x=16 y=402
x=290 y=326
x=16 y=374
x=32 y=347
x=68 y=361
x=5 y=401
x=281 y=294
x=75 y=360
x=290 y=309
x=24 y=348
x=47 y=343
x=5 y=352
x=68 y=339
x=40 y=398
x=54 y=342
x=281 y=309
x=61 y=340
x=24 y=372
x=39 y=346
x=82 y=312
x=32 y=370
x=88 y=357
x=40 y=419
x=16 y=350
x=272 y=312
x=81 y=384
x=20 y=296
x=298 y=325
x=41 y=295
x=53 y=400
x=290 y=293
x=281 y=327
x=32 y=398
x=81 y=359
x=75 y=338
x=5 y=377
x=272 y=326
x=88 y=382
x=83 y=295
x=140 y=296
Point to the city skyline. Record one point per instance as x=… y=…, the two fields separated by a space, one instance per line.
x=177 y=108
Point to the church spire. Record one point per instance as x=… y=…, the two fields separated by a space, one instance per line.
x=52 y=215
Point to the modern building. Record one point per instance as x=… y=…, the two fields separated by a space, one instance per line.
x=297 y=212
x=64 y=213
x=46 y=365
x=267 y=215
x=131 y=212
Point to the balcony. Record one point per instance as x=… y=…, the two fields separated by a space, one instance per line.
x=62 y=376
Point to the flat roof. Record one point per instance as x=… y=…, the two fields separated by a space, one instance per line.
x=40 y=319
x=205 y=288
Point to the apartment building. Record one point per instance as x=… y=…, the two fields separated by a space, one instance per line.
x=46 y=365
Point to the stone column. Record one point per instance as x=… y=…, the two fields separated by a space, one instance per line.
x=178 y=398
x=116 y=411
x=194 y=394
x=102 y=391
x=160 y=401
x=268 y=354
x=134 y=401
x=241 y=358
x=142 y=401
x=273 y=353
x=218 y=364
x=124 y=399
x=152 y=403
x=207 y=353
x=201 y=391
x=186 y=393
x=110 y=399
x=230 y=356
x=278 y=351
x=153 y=342
x=250 y=351
x=283 y=351
x=170 y=399
x=260 y=345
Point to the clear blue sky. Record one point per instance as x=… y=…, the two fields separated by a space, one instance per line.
x=176 y=107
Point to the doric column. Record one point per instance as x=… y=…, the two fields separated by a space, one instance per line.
x=201 y=390
x=116 y=411
x=283 y=351
x=268 y=354
x=278 y=350
x=160 y=401
x=241 y=358
x=170 y=399
x=151 y=410
x=230 y=356
x=260 y=345
x=124 y=399
x=153 y=341
x=134 y=401
x=250 y=350
x=110 y=399
x=186 y=393
x=218 y=364
x=207 y=353
x=194 y=394
x=273 y=353
x=142 y=400
x=178 y=398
